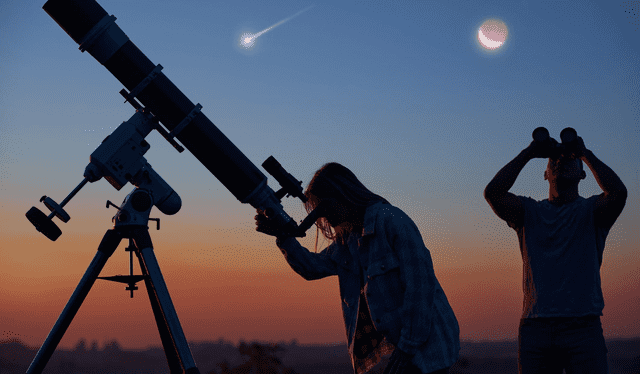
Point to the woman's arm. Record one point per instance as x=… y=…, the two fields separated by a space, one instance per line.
x=308 y=264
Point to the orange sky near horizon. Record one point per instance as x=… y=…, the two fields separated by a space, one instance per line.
x=233 y=283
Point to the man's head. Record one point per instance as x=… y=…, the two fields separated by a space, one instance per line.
x=564 y=171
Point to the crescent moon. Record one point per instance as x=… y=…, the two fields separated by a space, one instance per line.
x=492 y=34
x=488 y=43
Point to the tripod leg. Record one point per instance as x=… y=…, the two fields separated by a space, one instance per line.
x=175 y=365
x=173 y=339
x=106 y=248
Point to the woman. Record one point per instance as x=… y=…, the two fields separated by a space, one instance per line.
x=391 y=299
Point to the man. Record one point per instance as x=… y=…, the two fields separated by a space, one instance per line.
x=562 y=240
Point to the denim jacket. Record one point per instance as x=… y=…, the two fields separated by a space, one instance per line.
x=405 y=300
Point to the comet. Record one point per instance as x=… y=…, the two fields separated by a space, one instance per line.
x=248 y=40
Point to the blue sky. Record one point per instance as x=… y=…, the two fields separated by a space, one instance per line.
x=400 y=93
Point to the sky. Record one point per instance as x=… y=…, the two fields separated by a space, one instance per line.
x=400 y=93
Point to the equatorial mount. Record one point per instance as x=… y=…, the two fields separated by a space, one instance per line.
x=119 y=159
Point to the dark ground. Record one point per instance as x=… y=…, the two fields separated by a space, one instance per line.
x=480 y=358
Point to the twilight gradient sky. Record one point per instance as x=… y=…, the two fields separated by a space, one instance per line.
x=401 y=94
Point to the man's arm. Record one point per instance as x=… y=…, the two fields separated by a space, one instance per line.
x=611 y=202
x=505 y=204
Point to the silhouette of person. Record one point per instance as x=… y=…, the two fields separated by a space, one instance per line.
x=391 y=299
x=562 y=240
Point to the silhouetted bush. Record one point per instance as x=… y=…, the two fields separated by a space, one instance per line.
x=259 y=359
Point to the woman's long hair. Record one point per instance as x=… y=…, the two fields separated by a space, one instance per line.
x=333 y=180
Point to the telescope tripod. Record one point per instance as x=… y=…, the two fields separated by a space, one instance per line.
x=173 y=340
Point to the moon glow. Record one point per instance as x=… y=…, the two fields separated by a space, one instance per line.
x=492 y=34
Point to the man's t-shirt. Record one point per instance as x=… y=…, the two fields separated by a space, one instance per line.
x=561 y=251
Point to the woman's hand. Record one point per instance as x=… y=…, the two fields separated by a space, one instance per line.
x=268 y=226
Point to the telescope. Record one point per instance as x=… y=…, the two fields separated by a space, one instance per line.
x=89 y=25
x=159 y=105
x=552 y=148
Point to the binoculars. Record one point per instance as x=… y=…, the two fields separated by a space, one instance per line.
x=551 y=148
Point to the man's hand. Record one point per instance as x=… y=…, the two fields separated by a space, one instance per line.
x=398 y=362
x=578 y=150
x=544 y=149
